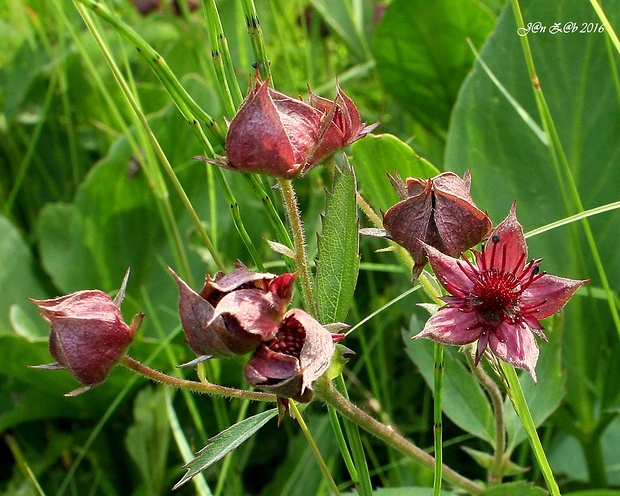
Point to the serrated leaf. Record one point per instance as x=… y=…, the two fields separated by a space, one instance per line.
x=338 y=247
x=464 y=401
x=225 y=442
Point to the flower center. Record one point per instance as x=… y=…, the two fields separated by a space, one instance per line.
x=289 y=339
x=495 y=295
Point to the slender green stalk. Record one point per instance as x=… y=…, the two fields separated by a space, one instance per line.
x=186 y=104
x=256 y=38
x=496 y=471
x=515 y=393
x=437 y=418
x=432 y=291
x=563 y=170
x=216 y=35
x=236 y=216
x=22 y=463
x=202 y=488
x=363 y=483
x=326 y=392
x=299 y=243
x=196 y=387
x=314 y=447
x=342 y=444
x=156 y=146
x=608 y=27
x=595 y=460
x=256 y=184
x=155 y=178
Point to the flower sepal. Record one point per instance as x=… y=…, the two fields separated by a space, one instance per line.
x=497 y=300
x=88 y=335
x=300 y=353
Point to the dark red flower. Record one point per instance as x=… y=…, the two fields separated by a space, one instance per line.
x=88 y=335
x=233 y=313
x=438 y=211
x=284 y=137
x=298 y=354
x=498 y=300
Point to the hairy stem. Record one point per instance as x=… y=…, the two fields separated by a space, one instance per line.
x=299 y=243
x=327 y=392
x=194 y=386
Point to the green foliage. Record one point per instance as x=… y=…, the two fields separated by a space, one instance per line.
x=422 y=55
x=338 y=262
x=84 y=195
x=147 y=439
x=464 y=400
x=226 y=441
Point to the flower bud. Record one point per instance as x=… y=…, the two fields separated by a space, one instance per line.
x=285 y=137
x=88 y=335
x=233 y=313
x=438 y=211
x=298 y=354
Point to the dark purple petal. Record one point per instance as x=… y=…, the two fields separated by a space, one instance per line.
x=516 y=345
x=506 y=248
x=455 y=275
x=460 y=224
x=547 y=294
x=408 y=221
x=451 y=326
x=88 y=335
x=317 y=350
x=251 y=315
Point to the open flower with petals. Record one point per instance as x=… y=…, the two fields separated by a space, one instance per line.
x=298 y=354
x=498 y=300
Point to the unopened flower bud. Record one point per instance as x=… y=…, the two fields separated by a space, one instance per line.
x=439 y=212
x=284 y=137
x=88 y=335
x=233 y=313
x=299 y=353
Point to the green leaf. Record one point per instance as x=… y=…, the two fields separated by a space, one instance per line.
x=508 y=162
x=486 y=460
x=544 y=397
x=339 y=17
x=377 y=155
x=17 y=281
x=147 y=439
x=338 y=250
x=29 y=395
x=422 y=53
x=111 y=225
x=520 y=488
x=225 y=442
x=464 y=401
